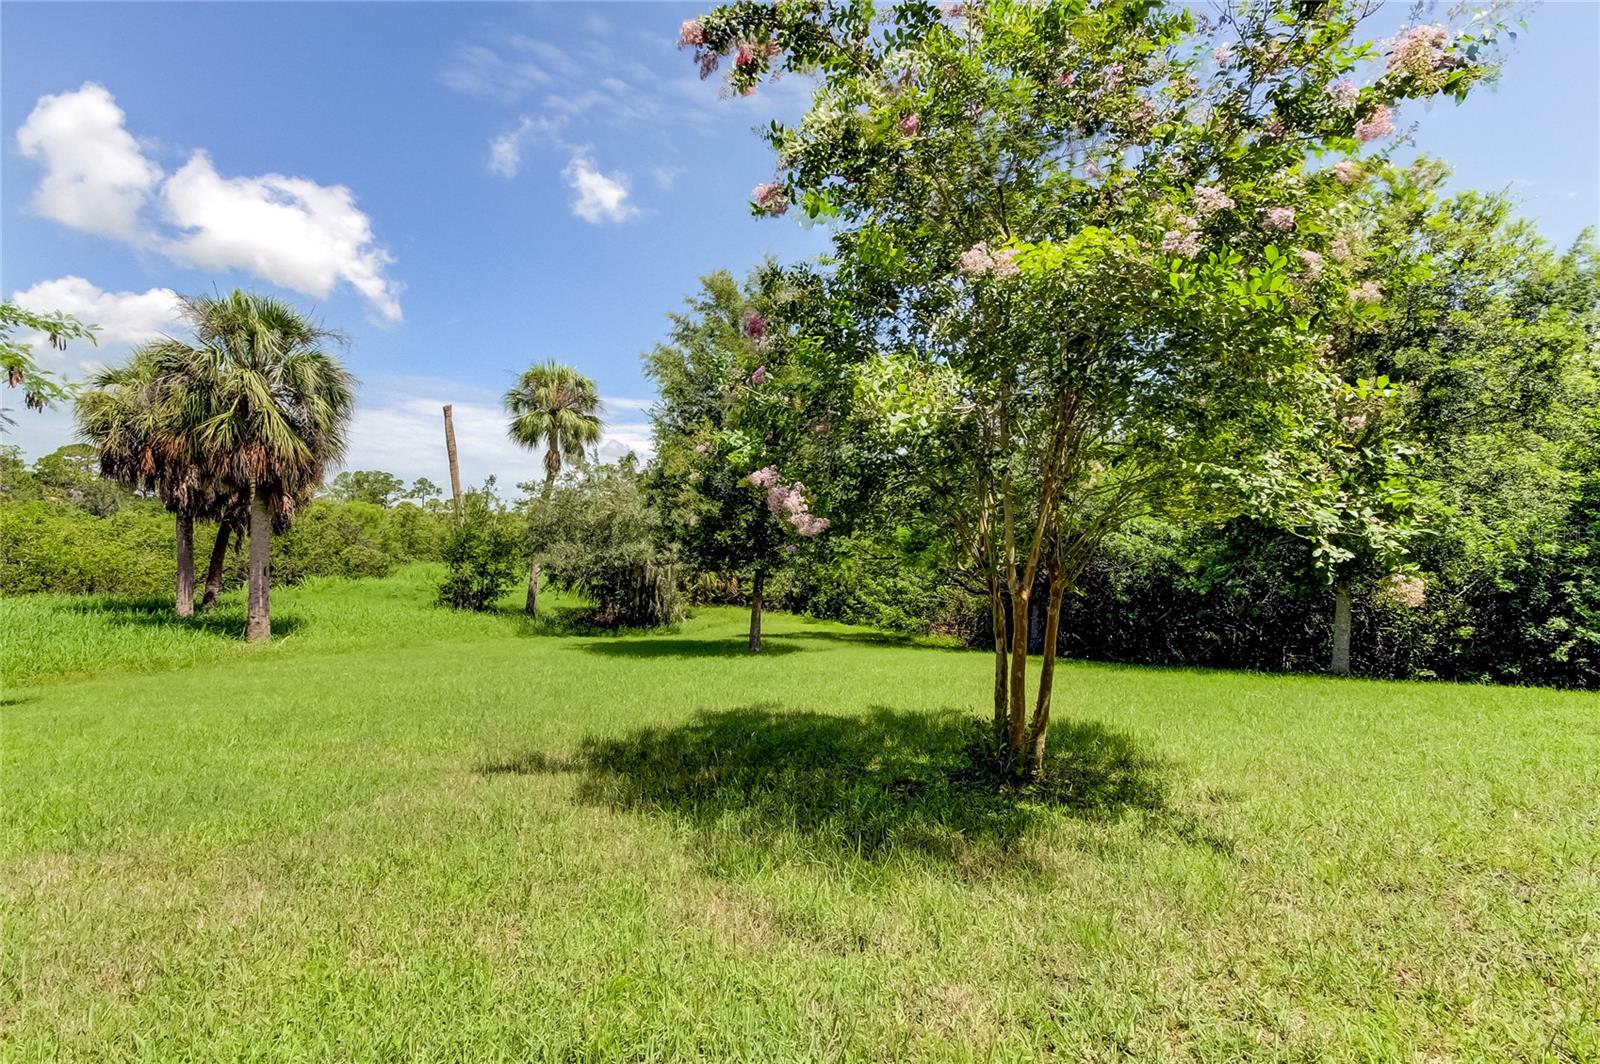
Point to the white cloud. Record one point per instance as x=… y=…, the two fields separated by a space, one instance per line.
x=95 y=177
x=666 y=175
x=478 y=71
x=121 y=317
x=291 y=231
x=598 y=197
x=505 y=150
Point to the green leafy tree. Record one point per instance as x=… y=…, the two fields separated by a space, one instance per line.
x=1086 y=248
x=480 y=549
x=40 y=388
x=368 y=485
x=726 y=443
x=555 y=407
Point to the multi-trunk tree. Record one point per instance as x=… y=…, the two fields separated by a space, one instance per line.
x=1089 y=249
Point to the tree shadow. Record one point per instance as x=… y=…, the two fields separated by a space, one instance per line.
x=821 y=786
x=879 y=639
x=224 y=621
x=661 y=647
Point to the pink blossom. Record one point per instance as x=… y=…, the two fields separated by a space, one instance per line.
x=703 y=447
x=1346 y=172
x=1407 y=589
x=1209 y=199
x=759 y=377
x=1222 y=54
x=1184 y=243
x=1142 y=114
x=748 y=90
x=978 y=261
x=1113 y=75
x=910 y=124
x=764 y=477
x=1312 y=262
x=953 y=10
x=790 y=548
x=1091 y=169
x=1340 y=249
x=691 y=34
x=1366 y=292
x=1066 y=78
x=771 y=198
x=1280 y=219
x=1419 y=51
x=745 y=55
x=1375 y=126
x=754 y=324
x=1345 y=95
x=708 y=63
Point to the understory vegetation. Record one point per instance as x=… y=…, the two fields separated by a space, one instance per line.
x=402 y=831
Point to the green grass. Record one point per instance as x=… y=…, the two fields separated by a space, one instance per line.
x=401 y=833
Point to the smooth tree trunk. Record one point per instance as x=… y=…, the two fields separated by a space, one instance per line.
x=1047 y=676
x=219 y=557
x=185 y=597
x=1339 y=662
x=1017 y=724
x=258 y=627
x=757 y=586
x=997 y=616
x=450 y=452
x=532 y=606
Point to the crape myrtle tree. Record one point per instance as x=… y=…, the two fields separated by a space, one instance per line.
x=727 y=433
x=1090 y=244
x=555 y=407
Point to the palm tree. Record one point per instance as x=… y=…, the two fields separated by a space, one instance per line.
x=271 y=415
x=133 y=415
x=556 y=407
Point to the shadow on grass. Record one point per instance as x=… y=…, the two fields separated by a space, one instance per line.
x=666 y=647
x=224 y=622
x=815 y=785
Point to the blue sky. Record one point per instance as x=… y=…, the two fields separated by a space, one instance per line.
x=466 y=188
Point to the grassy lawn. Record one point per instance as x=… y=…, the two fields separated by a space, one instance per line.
x=405 y=834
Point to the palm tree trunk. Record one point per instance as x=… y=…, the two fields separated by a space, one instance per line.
x=1047 y=674
x=259 y=625
x=1339 y=662
x=450 y=452
x=219 y=557
x=757 y=586
x=185 y=596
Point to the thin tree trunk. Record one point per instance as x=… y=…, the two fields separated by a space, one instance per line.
x=259 y=625
x=450 y=451
x=219 y=557
x=1339 y=664
x=997 y=613
x=757 y=586
x=185 y=597
x=1019 y=677
x=1047 y=672
x=532 y=606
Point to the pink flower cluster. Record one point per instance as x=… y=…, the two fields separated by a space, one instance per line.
x=1312 y=262
x=1346 y=173
x=1419 y=51
x=788 y=501
x=759 y=377
x=1407 y=589
x=1340 y=249
x=691 y=34
x=754 y=324
x=1209 y=199
x=1280 y=219
x=771 y=198
x=1366 y=292
x=1183 y=239
x=1345 y=95
x=1376 y=126
x=1221 y=55
x=910 y=124
x=979 y=261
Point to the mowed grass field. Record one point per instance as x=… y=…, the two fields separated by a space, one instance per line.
x=400 y=833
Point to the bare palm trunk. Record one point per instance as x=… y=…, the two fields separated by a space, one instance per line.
x=219 y=557
x=450 y=452
x=1047 y=674
x=258 y=627
x=185 y=596
x=1339 y=663
x=757 y=587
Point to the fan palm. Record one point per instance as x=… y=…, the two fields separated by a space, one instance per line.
x=271 y=417
x=558 y=408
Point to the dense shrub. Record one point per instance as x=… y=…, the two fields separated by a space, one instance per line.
x=483 y=551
